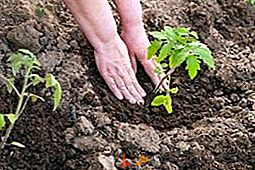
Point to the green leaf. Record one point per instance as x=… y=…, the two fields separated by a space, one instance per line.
x=16 y=61
x=164 y=52
x=18 y=144
x=206 y=56
x=36 y=79
x=57 y=95
x=11 y=117
x=50 y=80
x=158 y=100
x=153 y=48
x=177 y=58
x=158 y=35
x=183 y=31
x=9 y=84
x=192 y=66
x=158 y=70
x=164 y=65
x=2 y=121
x=168 y=104
x=174 y=90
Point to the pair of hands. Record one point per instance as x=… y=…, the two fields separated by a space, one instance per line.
x=116 y=62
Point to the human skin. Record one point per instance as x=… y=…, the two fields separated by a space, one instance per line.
x=113 y=53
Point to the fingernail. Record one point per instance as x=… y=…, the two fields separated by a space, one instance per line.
x=132 y=101
x=119 y=97
x=140 y=102
x=143 y=94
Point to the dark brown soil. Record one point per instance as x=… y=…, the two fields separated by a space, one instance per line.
x=213 y=123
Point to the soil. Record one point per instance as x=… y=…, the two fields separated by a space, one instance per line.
x=213 y=123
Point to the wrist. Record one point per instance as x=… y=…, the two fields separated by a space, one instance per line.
x=105 y=45
x=134 y=26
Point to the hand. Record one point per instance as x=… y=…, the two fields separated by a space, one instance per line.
x=115 y=67
x=137 y=43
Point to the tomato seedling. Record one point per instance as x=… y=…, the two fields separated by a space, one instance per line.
x=25 y=62
x=170 y=49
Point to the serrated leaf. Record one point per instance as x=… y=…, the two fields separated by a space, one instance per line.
x=36 y=79
x=9 y=84
x=2 y=121
x=50 y=80
x=153 y=48
x=163 y=52
x=18 y=144
x=158 y=35
x=11 y=117
x=57 y=95
x=177 y=58
x=206 y=56
x=174 y=90
x=158 y=100
x=16 y=61
x=168 y=104
x=192 y=66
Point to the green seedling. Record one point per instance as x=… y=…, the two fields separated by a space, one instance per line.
x=25 y=62
x=171 y=48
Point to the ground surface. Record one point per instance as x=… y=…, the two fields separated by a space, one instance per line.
x=213 y=123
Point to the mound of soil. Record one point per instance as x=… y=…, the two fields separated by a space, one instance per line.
x=213 y=123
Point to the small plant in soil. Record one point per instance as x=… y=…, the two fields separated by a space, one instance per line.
x=24 y=63
x=171 y=48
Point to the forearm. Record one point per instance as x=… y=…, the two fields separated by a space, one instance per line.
x=95 y=20
x=130 y=13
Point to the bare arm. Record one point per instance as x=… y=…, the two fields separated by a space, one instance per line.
x=95 y=20
x=130 y=13
x=111 y=54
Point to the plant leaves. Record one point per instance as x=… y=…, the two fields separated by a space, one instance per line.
x=36 y=79
x=158 y=35
x=206 y=56
x=163 y=52
x=168 y=104
x=57 y=95
x=192 y=66
x=2 y=121
x=18 y=144
x=164 y=65
x=16 y=61
x=153 y=48
x=50 y=80
x=9 y=84
x=158 y=100
x=174 y=90
x=177 y=58
x=11 y=117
